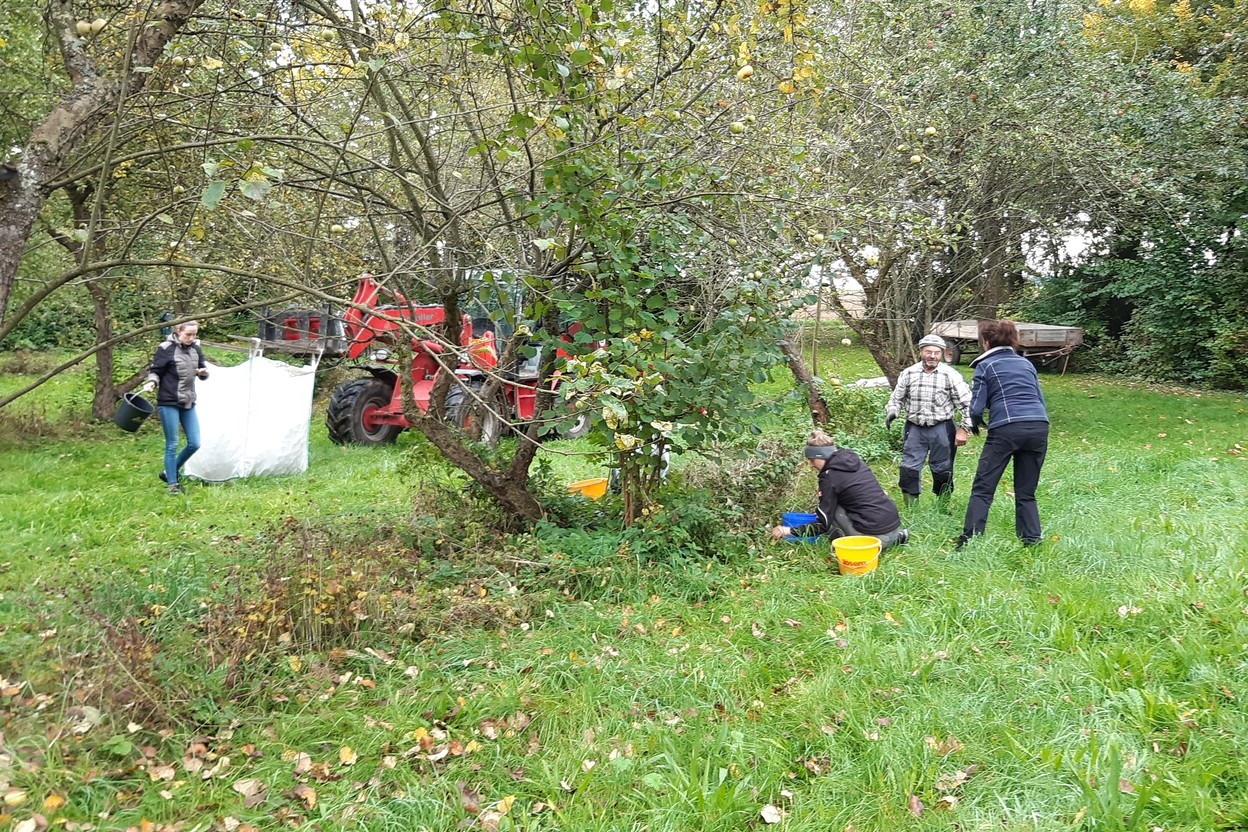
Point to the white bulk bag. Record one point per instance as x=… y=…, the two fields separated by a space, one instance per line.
x=253 y=419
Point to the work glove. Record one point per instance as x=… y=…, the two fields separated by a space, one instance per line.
x=149 y=386
x=888 y=420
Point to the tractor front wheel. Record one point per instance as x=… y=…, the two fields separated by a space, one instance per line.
x=462 y=411
x=350 y=413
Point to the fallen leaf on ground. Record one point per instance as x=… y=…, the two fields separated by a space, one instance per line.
x=770 y=814
x=943 y=747
x=305 y=793
x=914 y=805
x=303 y=763
x=252 y=790
x=346 y=756
x=949 y=782
x=469 y=799
x=165 y=773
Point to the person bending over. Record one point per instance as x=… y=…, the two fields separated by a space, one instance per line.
x=851 y=501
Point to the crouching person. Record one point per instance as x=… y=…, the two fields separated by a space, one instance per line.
x=851 y=501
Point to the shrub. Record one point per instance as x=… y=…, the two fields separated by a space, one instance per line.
x=856 y=421
x=753 y=483
x=675 y=549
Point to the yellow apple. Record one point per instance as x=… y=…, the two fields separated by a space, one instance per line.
x=745 y=72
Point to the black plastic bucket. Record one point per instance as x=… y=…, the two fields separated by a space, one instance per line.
x=131 y=411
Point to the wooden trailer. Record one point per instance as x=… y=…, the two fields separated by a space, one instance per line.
x=1046 y=345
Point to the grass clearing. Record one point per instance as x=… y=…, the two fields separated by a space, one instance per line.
x=1093 y=682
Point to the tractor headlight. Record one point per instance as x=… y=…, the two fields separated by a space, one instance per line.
x=379 y=355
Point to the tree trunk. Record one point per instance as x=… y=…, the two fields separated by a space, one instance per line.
x=818 y=407
x=105 y=394
x=508 y=488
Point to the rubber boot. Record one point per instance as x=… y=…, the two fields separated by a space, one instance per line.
x=942 y=485
x=909 y=499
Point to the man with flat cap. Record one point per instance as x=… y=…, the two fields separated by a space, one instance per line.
x=928 y=394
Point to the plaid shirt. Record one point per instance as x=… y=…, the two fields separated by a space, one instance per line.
x=930 y=398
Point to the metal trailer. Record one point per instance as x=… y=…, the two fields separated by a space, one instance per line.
x=1046 y=345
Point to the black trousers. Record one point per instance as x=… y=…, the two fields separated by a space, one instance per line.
x=1026 y=444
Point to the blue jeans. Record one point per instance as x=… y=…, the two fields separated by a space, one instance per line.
x=170 y=417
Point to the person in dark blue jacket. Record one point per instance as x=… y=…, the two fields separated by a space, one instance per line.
x=1007 y=386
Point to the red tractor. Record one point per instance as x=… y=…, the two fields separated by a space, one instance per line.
x=369 y=410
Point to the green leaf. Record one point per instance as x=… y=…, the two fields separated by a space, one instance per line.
x=118 y=746
x=582 y=57
x=212 y=195
x=255 y=189
x=211 y=168
x=653 y=780
x=165 y=218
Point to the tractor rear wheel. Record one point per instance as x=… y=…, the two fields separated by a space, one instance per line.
x=579 y=428
x=462 y=409
x=349 y=416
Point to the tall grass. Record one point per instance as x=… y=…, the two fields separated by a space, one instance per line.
x=1094 y=682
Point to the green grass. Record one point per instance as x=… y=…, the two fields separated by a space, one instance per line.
x=1058 y=685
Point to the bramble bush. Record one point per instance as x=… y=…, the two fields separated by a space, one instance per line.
x=856 y=421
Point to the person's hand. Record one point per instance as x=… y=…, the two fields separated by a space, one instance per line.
x=959 y=438
x=888 y=420
x=148 y=386
x=202 y=372
x=778 y=532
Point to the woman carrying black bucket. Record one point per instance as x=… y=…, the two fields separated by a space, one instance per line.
x=178 y=363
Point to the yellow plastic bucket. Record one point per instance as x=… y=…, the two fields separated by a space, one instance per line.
x=593 y=489
x=857 y=555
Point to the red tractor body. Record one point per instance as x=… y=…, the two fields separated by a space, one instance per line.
x=369 y=410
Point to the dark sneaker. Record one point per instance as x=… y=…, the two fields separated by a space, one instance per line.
x=174 y=488
x=163 y=477
x=904 y=537
x=961 y=542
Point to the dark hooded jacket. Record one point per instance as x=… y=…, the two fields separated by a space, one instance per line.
x=847 y=482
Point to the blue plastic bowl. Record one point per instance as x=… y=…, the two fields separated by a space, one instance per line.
x=795 y=538
x=797 y=518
